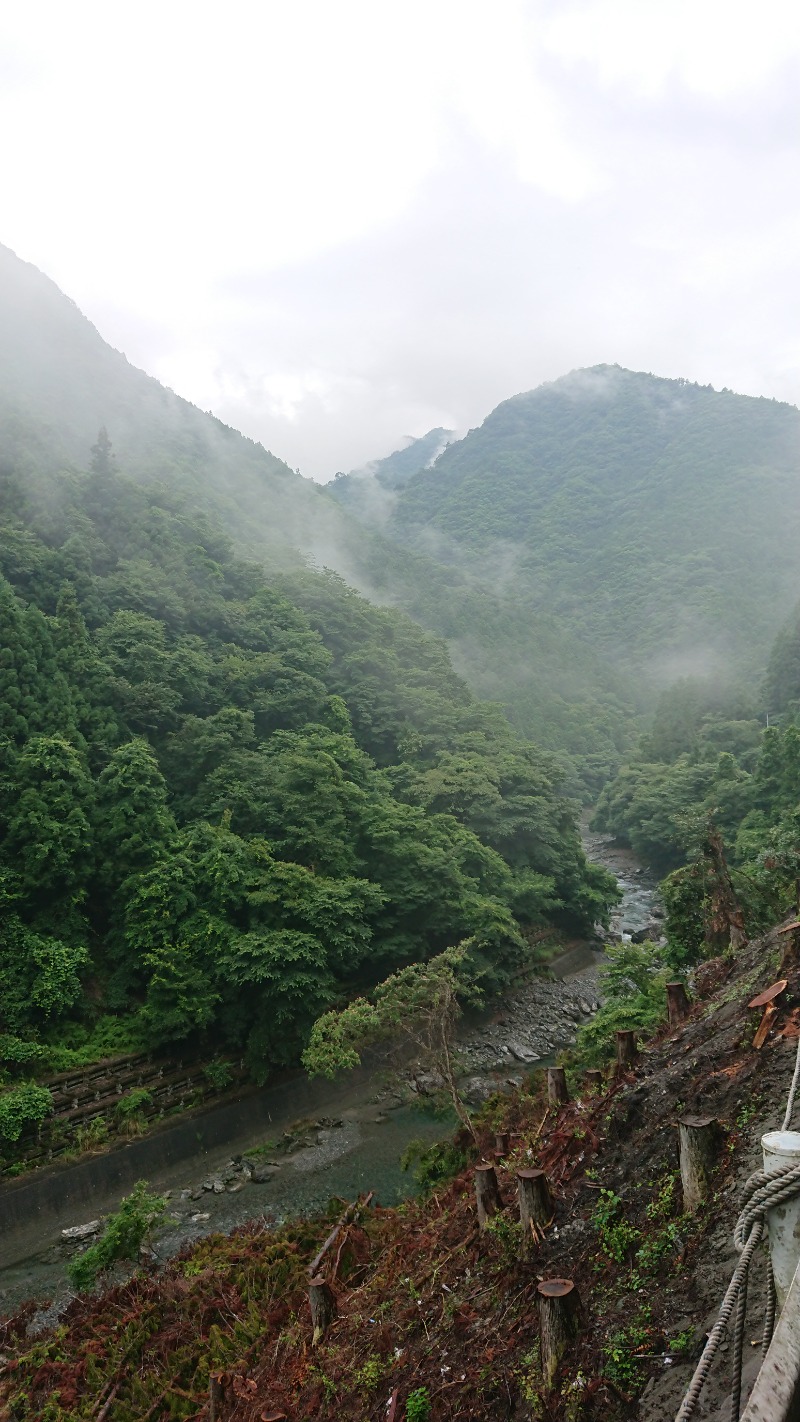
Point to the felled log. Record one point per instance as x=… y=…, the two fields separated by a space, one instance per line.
x=559 y=1323
x=487 y=1193
x=699 y=1141
x=323 y=1307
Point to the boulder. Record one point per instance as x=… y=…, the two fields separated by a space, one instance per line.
x=523 y=1051
x=81 y=1231
x=263 y=1171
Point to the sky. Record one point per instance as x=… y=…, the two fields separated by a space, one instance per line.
x=338 y=225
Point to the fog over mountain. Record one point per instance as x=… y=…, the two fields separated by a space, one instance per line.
x=590 y=542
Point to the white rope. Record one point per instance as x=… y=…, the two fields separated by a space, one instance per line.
x=762 y=1192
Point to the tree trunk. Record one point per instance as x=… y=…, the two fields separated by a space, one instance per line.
x=593 y=1080
x=216 y=1396
x=559 y=1323
x=323 y=1307
x=536 y=1206
x=557 y=1086
x=487 y=1193
x=699 y=1138
x=627 y=1050
x=678 y=1003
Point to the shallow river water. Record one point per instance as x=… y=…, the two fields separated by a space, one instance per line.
x=356 y=1133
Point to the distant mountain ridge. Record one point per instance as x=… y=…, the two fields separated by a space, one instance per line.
x=60 y=382
x=591 y=541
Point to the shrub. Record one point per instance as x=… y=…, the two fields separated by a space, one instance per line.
x=122 y=1238
x=418 y=1405
x=21 y=1107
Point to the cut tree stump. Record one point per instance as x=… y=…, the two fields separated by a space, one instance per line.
x=487 y=1193
x=699 y=1149
x=216 y=1396
x=678 y=1003
x=559 y=1323
x=593 y=1081
x=323 y=1306
x=536 y=1206
x=557 y=1086
x=501 y=1142
x=627 y=1051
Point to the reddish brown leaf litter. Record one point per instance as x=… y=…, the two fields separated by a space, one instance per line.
x=426 y=1305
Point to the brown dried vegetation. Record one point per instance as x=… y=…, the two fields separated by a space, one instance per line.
x=423 y=1299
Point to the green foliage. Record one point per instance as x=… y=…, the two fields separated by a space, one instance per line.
x=122 y=1237
x=634 y=976
x=615 y=1234
x=368 y=1376
x=21 y=1108
x=418 y=1405
x=130 y=1108
x=232 y=797
x=432 y=1164
x=219 y=1072
x=620 y=1351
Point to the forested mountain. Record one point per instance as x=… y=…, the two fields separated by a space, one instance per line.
x=233 y=792
x=617 y=531
x=389 y=473
x=60 y=383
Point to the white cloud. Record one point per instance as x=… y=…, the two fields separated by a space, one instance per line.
x=335 y=224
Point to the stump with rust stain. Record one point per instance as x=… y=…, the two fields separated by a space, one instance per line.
x=627 y=1050
x=487 y=1193
x=699 y=1150
x=536 y=1207
x=678 y=1003
x=557 y=1086
x=593 y=1081
x=323 y=1307
x=559 y=1323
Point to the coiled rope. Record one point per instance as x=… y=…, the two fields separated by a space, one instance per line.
x=762 y=1192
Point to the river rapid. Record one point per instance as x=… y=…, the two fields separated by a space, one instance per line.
x=315 y=1140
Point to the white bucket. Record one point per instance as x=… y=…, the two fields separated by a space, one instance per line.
x=783 y=1148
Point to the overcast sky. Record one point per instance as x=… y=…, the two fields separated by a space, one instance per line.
x=338 y=223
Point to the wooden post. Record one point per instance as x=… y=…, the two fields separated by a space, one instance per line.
x=593 y=1080
x=216 y=1396
x=536 y=1208
x=627 y=1050
x=323 y=1306
x=557 y=1086
x=699 y=1137
x=678 y=1004
x=559 y=1323
x=487 y=1193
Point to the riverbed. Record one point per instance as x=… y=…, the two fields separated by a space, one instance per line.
x=322 y=1140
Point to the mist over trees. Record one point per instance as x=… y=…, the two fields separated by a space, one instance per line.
x=232 y=797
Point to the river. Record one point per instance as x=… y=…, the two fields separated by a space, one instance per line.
x=347 y=1137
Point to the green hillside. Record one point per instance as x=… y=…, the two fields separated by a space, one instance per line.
x=592 y=542
x=653 y=517
x=234 y=792
x=60 y=382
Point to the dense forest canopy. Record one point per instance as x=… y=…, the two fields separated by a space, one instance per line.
x=598 y=538
x=234 y=795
